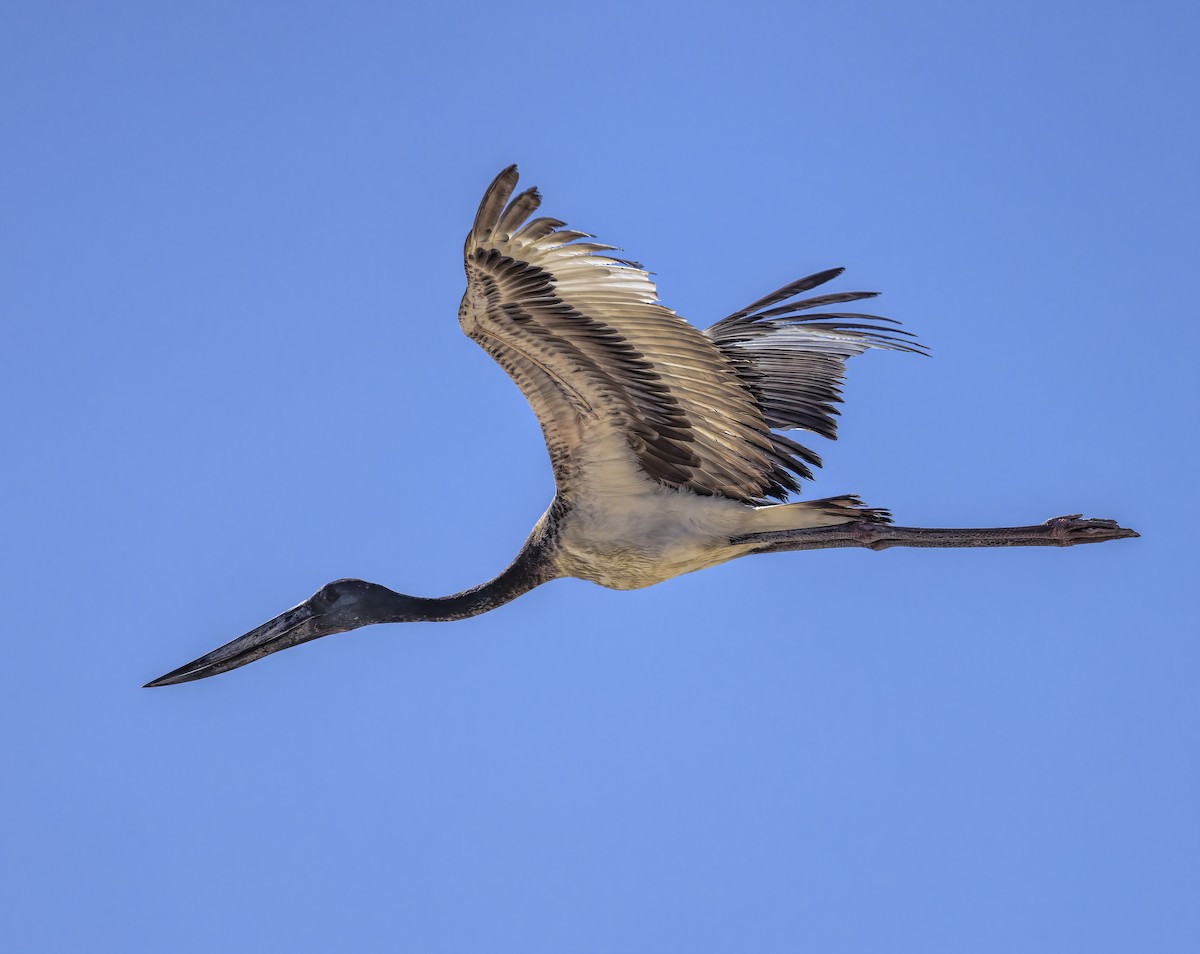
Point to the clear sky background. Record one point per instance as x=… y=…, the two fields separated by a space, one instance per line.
x=231 y=242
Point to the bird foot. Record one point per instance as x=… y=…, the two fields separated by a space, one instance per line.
x=1075 y=528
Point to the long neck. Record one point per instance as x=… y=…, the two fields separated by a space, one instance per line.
x=531 y=568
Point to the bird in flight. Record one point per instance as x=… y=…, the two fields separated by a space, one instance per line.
x=664 y=439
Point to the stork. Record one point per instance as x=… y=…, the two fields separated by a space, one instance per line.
x=663 y=438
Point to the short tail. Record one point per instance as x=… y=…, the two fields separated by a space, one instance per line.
x=805 y=514
x=850 y=507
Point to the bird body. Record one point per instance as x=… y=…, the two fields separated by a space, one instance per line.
x=660 y=446
x=625 y=531
x=663 y=438
x=629 y=534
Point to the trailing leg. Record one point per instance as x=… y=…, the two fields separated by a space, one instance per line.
x=1056 y=532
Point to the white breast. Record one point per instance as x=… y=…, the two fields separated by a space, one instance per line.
x=625 y=530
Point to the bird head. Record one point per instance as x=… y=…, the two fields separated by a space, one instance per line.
x=335 y=608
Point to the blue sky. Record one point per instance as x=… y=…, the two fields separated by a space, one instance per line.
x=231 y=239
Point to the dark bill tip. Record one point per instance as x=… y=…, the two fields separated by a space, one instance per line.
x=297 y=625
x=187 y=673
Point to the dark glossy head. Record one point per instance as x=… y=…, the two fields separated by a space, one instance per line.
x=349 y=604
x=335 y=608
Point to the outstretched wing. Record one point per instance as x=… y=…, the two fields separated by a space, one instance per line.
x=793 y=359
x=583 y=335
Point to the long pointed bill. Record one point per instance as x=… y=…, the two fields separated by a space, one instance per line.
x=290 y=628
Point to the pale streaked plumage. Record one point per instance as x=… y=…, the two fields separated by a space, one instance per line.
x=584 y=336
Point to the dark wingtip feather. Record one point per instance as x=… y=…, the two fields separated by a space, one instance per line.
x=519 y=209
x=493 y=203
x=787 y=291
